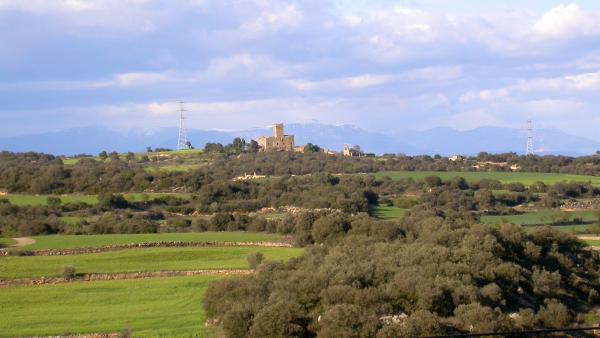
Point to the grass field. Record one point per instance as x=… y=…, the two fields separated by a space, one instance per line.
x=42 y=199
x=167 y=307
x=172 y=168
x=85 y=241
x=504 y=177
x=592 y=242
x=387 y=213
x=182 y=152
x=76 y=219
x=4 y=242
x=538 y=217
x=89 y=199
x=137 y=260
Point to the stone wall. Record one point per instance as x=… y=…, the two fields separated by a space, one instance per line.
x=93 y=277
x=163 y=244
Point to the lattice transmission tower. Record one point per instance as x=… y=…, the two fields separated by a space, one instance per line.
x=530 y=138
x=182 y=139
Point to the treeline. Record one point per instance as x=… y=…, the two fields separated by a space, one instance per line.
x=351 y=194
x=433 y=272
x=46 y=174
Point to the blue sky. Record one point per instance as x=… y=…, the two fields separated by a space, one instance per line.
x=381 y=65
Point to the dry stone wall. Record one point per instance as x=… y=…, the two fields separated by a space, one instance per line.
x=163 y=244
x=120 y=276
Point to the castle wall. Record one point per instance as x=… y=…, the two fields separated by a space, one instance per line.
x=278 y=142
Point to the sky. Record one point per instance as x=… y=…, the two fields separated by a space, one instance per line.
x=377 y=64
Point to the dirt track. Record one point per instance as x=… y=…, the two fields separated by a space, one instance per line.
x=23 y=241
x=589 y=238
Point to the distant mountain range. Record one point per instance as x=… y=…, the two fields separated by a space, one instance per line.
x=443 y=141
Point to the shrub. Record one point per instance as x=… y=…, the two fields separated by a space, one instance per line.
x=405 y=202
x=53 y=201
x=19 y=252
x=554 y=315
x=254 y=259
x=220 y=221
x=200 y=224
x=68 y=272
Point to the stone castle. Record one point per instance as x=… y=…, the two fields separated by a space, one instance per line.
x=278 y=142
x=281 y=142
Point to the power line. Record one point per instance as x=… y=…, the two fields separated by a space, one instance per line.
x=182 y=139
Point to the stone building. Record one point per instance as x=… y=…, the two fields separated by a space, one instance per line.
x=352 y=152
x=278 y=142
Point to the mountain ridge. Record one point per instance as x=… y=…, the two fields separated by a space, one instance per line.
x=440 y=140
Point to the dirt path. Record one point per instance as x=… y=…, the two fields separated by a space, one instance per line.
x=589 y=238
x=23 y=241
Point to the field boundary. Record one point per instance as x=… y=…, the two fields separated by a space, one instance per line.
x=144 y=245
x=95 y=277
x=86 y=335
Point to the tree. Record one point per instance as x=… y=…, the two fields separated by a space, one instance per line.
x=311 y=148
x=68 y=272
x=107 y=200
x=220 y=221
x=485 y=199
x=254 y=259
x=103 y=155
x=328 y=228
x=238 y=145
x=213 y=148
x=284 y=318
x=53 y=201
x=345 y=320
x=432 y=181
x=114 y=156
x=554 y=315
x=253 y=147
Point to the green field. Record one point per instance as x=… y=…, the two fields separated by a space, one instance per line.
x=89 y=199
x=167 y=307
x=76 y=219
x=137 y=260
x=42 y=199
x=504 y=177
x=593 y=242
x=70 y=161
x=538 y=217
x=181 y=152
x=4 y=242
x=387 y=213
x=172 y=168
x=86 y=241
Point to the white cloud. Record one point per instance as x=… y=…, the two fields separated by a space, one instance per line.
x=567 y=21
x=248 y=66
x=140 y=79
x=485 y=95
x=273 y=18
x=584 y=82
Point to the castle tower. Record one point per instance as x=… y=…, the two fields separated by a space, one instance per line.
x=278 y=131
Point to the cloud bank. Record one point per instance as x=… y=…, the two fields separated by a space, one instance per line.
x=240 y=64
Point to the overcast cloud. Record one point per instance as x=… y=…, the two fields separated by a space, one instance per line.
x=380 y=65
